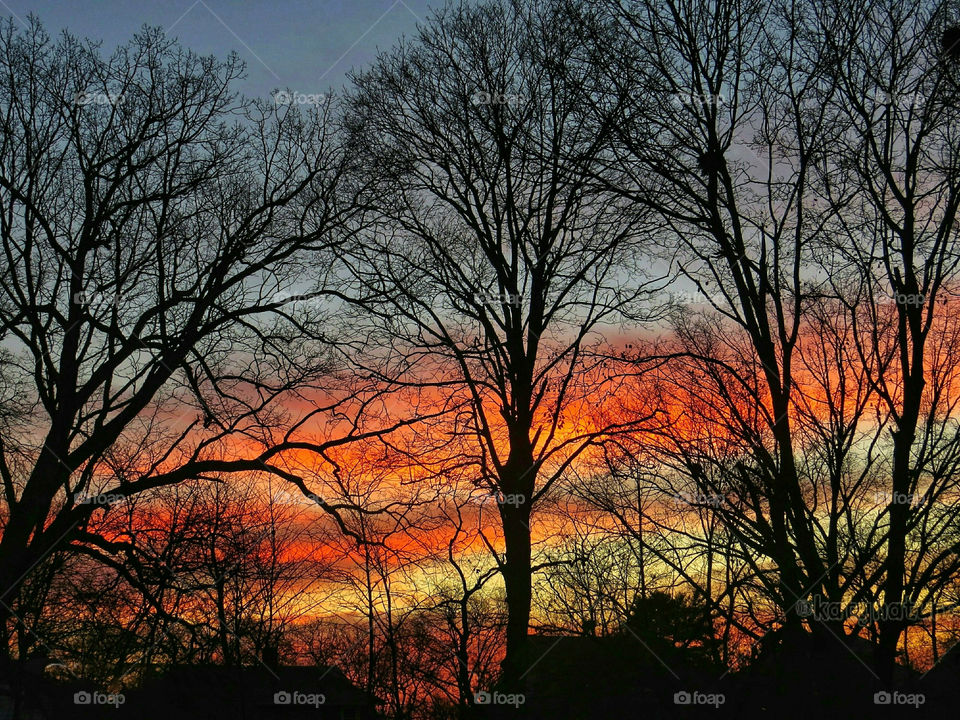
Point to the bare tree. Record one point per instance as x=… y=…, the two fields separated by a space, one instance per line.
x=894 y=184
x=148 y=219
x=814 y=199
x=493 y=262
x=706 y=121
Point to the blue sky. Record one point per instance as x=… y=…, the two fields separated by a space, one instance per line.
x=306 y=45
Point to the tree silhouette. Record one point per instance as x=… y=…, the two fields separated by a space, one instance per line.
x=677 y=620
x=491 y=259
x=149 y=219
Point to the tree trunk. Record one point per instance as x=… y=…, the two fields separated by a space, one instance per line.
x=517 y=579
x=892 y=620
x=891 y=623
